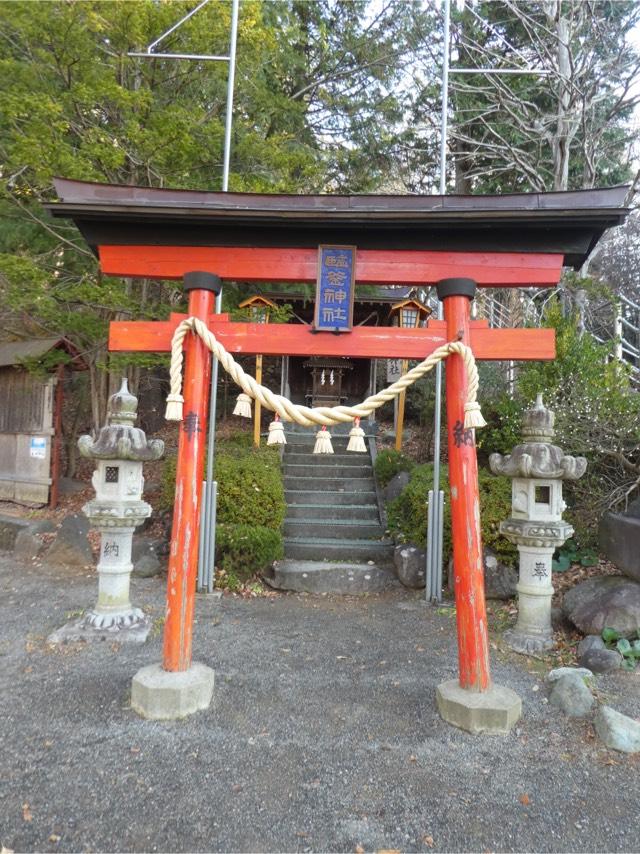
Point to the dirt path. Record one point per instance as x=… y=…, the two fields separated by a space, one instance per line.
x=323 y=736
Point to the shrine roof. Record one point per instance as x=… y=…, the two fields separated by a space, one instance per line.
x=14 y=353
x=559 y=222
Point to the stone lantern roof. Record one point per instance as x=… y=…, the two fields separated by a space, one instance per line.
x=536 y=456
x=119 y=439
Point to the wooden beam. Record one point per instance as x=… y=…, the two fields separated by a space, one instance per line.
x=397 y=267
x=364 y=342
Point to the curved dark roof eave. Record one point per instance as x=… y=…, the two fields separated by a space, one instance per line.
x=570 y=222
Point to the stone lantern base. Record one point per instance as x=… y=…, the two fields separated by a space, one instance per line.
x=93 y=627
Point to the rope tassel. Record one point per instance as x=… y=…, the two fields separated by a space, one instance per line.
x=356 y=438
x=243 y=406
x=276 y=432
x=473 y=415
x=323 y=442
x=173 y=412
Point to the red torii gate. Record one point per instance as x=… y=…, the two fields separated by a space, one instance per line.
x=168 y=234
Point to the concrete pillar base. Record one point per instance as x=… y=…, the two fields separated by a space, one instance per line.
x=161 y=695
x=493 y=711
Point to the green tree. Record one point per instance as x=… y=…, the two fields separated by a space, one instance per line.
x=315 y=108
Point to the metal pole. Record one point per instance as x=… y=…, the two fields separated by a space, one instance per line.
x=435 y=532
x=230 y=83
x=207 y=555
x=207 y=551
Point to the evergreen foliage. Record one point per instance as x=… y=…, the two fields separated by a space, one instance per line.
x=389 y=463
x=407 y=514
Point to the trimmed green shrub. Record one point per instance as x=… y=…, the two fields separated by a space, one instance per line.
x=250 y=489
x=388 y=463
x=243 y=550
x=250 y=486
x=407 y=514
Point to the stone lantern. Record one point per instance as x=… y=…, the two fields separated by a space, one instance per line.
x=537 y=469
x=116 y=511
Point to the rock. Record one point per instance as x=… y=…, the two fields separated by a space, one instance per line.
x=604 y=601
x=590 y=642
x=559 y=672
x=571 y=695
x=617 y=731
x=10 y=527
x=410 y=565
x=144 y=557
x=27 y=545
x=619 y=536
x=500 y=580
x=71 y=546
x=633 y=509
x=395 y=486
x=601 y=660
x=560 y=622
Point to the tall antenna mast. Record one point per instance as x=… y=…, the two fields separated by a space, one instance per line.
x=207 y=546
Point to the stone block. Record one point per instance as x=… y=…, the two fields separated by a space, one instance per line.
x=159 y=694
x=493 y=712
x=617 y=731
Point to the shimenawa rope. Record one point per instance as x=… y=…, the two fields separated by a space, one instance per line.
x=305 y=415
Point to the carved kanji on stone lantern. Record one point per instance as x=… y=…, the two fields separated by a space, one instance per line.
x=117 y=510
x=537 y=468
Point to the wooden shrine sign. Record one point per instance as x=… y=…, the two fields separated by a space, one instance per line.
x=456 y=243
x=335 y=289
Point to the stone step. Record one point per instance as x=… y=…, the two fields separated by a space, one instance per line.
x=298 y=432
x=332 y=484
x=318 y=512
x=345 y=529
x=350 y=459
x=330 y=549
x=342 y=578
x=329 y=497
x=327 y=470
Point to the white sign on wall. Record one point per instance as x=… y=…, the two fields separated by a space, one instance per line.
x=38 y=447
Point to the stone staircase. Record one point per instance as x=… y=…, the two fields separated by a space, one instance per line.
x=333 y=535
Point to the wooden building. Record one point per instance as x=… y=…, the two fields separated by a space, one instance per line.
x=30 y=421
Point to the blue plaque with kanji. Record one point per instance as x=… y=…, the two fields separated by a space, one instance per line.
x=335 y=288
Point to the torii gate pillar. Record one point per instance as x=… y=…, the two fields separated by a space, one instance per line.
x=472 y=703
x=179 y=687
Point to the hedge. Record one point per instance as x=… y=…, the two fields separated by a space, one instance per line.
x=407 y=514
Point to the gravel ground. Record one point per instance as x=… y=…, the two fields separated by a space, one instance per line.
x=323 y=736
